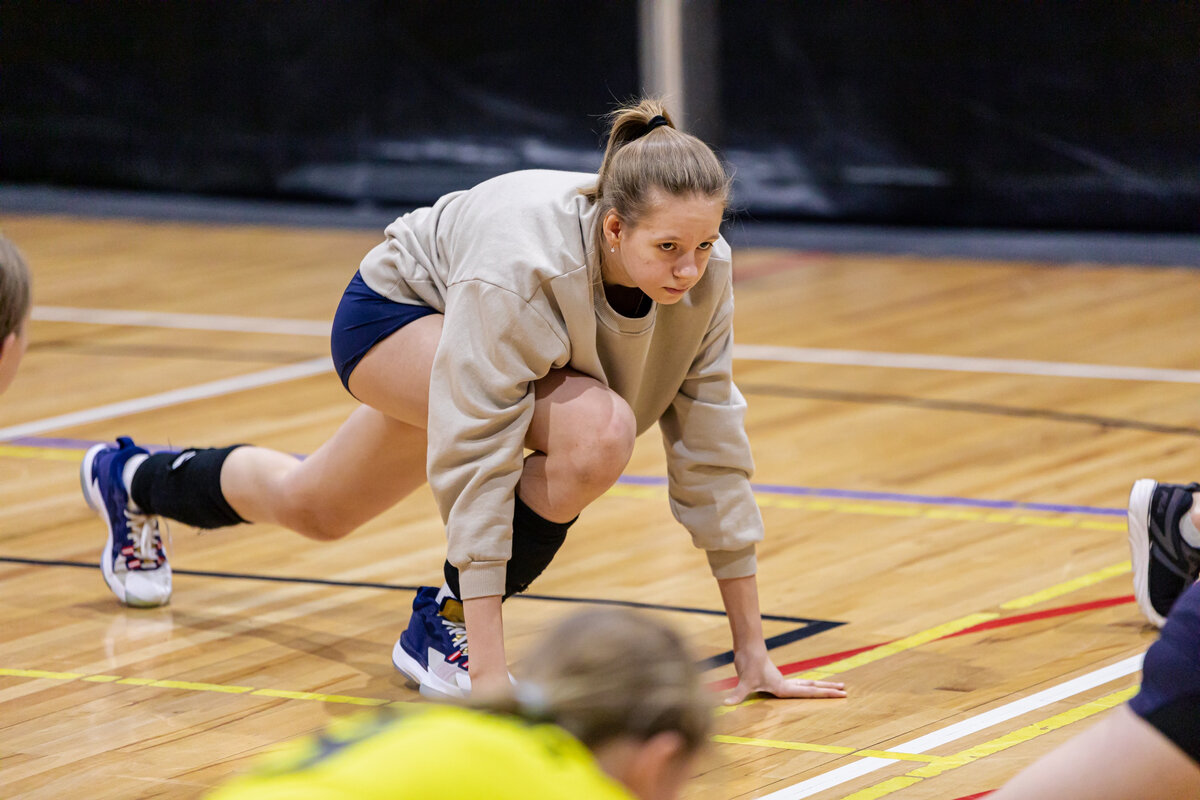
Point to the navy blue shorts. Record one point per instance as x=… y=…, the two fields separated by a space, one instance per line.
x=365 y=318
x=1169 y=698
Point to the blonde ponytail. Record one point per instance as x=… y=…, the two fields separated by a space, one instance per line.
x=643 y=155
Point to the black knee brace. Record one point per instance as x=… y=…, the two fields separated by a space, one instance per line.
x=535 y=541
x=185 y=486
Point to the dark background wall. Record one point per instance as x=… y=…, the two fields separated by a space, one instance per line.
x=1054 y=115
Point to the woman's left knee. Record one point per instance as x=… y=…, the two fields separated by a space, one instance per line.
x=604 y=444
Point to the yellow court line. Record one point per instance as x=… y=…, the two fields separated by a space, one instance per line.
x=1066 y=587
x=723 y=710
x=44 y=453
x=971 y=754
x=892 y=510
x=825 y=748
x=324 y=698
x=898 y=646
x=195 y=686
x=41 y=673
x=202 y=687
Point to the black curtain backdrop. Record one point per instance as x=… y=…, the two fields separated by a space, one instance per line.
x=1059 y=114
x=1042 y=115
x=356 y=100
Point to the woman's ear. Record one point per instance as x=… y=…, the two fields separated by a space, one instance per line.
x=613 y=228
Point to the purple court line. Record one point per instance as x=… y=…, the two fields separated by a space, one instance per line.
x=892 y=497
x=765 y=488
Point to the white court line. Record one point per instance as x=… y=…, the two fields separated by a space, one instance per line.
x=958 y=730
x=1003 y=366
x=201 y=391
x=746 y=352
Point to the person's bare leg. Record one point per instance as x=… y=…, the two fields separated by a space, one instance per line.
x=1120 y=758
x=373 y=461
x=369 y=465
x=581 y=433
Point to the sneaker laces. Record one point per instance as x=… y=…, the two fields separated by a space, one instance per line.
x=458 y=635
x=146 y=541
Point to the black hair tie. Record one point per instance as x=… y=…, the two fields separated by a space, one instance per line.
x=657 y=121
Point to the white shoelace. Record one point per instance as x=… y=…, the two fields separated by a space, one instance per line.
x=146 y=540
x=458 y=634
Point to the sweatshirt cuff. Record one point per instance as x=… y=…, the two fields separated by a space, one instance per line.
x=733 y=563
x=481 y=579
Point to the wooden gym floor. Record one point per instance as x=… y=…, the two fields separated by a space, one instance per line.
x=945 y=528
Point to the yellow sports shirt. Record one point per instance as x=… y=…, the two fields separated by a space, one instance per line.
x=429 y=752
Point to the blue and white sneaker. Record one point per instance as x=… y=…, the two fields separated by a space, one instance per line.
x=432 y=652
x=133 y=562
x=1164 y=564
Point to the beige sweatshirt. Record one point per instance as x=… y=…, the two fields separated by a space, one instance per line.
x=512 y=265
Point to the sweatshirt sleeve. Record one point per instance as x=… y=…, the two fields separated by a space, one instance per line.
x=494 y=345
x=708 y=455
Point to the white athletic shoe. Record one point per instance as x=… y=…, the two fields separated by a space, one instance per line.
x=134 y=563
x=432 y=652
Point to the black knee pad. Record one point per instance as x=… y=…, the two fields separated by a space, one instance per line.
x=536 y=540
x=185 y=486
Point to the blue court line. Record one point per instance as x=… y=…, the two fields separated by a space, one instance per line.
x=815 y=627
x=764 y=488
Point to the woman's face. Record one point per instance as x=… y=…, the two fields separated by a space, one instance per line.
x=666 y=252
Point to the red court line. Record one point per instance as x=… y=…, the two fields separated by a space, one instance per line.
x=799 y=666
x=1077 y=608
x=974 y=796
x=1050 y=612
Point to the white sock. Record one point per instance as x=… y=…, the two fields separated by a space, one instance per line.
x=131 y=467
x=1187 y=528
x=444 y=593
